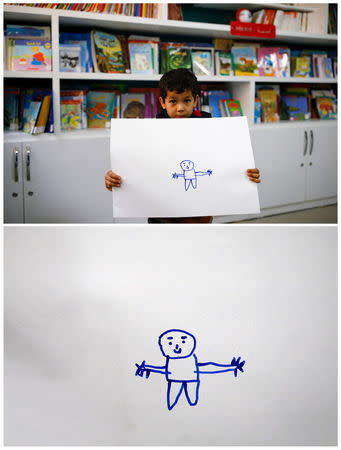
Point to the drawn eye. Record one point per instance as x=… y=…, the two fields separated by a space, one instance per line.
x=183 y=342
x=170 y=343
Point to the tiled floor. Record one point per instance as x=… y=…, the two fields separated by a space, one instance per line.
x=326 y=214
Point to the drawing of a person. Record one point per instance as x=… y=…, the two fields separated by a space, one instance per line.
x=189 y=174
x=182 y=369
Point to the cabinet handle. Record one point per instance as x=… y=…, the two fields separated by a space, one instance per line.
x=305 y=143
x=16 y=164
x=28 y=163
x=311 y=142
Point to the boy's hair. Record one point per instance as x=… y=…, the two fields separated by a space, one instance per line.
x=178 y=80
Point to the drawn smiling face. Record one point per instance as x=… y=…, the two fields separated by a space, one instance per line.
x=187 y=165
x=177 y=344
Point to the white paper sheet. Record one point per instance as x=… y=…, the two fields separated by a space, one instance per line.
x=148 y=154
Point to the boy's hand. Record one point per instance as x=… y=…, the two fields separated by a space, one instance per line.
x=112 y=180
x=253 y=175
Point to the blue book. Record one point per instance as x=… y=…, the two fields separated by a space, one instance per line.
x=297 y=107
x=64 y=36
x=213 y=100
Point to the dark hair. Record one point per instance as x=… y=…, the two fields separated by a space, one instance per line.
x=178 y=80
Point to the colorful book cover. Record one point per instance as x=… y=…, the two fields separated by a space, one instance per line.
x=133 y=106
x=30 y=116
x=284 y=62
x=301 y=66
x=31 y=55
x=179 y=57
x=70 y=115
x=326 y=107
x=233 y=108
x=43 y=115
x=100 y=107
x=28 y=32
x=224 y=63
x=73 y=38
x=11 y=109
x=107 y=53
x=69 y=58
x=141 y=57
x=213 y=101
x=202 y=62
x=269 y=105
x=268 y=61
x=296 y=107
x=258 y=111
x=81 y=97
x=84 y=53
x=245 y=61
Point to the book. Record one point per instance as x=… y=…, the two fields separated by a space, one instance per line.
x=202 y=63
x=213 y=100
x=245 y=61
x=269 y=101
x=42 y=116
x=179 y=57
x=224 y=63
x=107 y=53
x=144 y=54
x=296 y=107
x=100 y=108
x=30 y=116
x=32 y=55
x=69 y=58
x=284 y=62
x=233 y=108
x=326 y=107
x=258 y=111
x=28 y=32
x=267 y=58
x=133 y=106
x=84 y=40
x=301 y=66
x=79 y=96
x=11 y=108
x=70 y=115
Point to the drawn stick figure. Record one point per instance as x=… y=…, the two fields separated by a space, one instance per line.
x=182 y=369
x=189 y=174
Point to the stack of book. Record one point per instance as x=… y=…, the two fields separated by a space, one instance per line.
x=197 y=57
x=28 y=48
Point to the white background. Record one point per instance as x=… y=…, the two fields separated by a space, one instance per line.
x=82 y=305
x=147 y=152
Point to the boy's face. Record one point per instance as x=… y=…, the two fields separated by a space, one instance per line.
x=179 y=106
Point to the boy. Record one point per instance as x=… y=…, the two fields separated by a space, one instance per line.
x=179 y=95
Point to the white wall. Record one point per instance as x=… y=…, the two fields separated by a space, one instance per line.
x=84 y=304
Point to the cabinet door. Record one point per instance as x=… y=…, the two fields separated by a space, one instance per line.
x=13 y=184
x=279 y=156
x=322 y=161
x=64 y=181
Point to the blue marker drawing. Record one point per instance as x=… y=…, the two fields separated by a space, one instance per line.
x=182 y=369
x=189 y=174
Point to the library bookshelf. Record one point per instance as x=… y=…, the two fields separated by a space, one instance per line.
x=267 y=139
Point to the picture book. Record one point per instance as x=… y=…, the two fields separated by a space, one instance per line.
x=202 y=63
x=258 y=111
x=224 y=63
x=100 y=107
x=30 y=116
x=133 y=106
x=69 y=58
x=269 y=105
x=213 y=101
x=70 y=115
x=84 y=53
x=268 y=64
x=233 y=108
x=326 y=107
x=296 y=107
x=49 y=128
x=32 y=55
x=79 y=96
x=84 y=40
x=245 y=61
x=144 y=54
x=11 y=108
x=153 y=94
x=28 y=32
x=107 y=53
x=27 y=97
x=284 y=62
x=179 y=57
x=301 y=66
x=43 y=115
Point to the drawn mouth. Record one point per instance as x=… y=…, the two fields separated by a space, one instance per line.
x=177 y=351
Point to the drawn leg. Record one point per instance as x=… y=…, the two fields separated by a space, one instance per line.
x=187 y=184
x=192 y=392
x=173 y=393
x=194 y=183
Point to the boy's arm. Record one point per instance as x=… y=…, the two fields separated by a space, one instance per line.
x=148 y=368
x=236 y=364
x=177 y=175
x=201 y=174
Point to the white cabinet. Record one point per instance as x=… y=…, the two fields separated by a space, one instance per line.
x=13 y=183
x=297 y=163
x=61 y=180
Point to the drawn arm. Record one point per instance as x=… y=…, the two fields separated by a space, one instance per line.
x=201 y=174
x=236 y=364
x=148 y=368
x=177 y=175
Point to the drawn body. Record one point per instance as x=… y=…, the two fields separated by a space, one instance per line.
x=182 y=369
x=190 y=174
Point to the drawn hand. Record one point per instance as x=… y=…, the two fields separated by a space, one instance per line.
x=209 y=172
x=141 y=369
x=175 y=175
x=238 y=364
